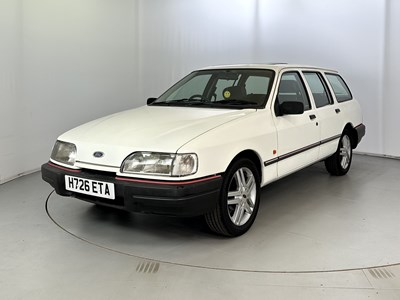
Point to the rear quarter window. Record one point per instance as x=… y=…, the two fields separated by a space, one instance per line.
x=339 y=87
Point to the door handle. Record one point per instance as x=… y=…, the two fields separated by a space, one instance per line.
x=337 y=110
x=312 y=117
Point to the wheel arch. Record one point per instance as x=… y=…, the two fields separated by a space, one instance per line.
x=253 y=156
x=353 y=134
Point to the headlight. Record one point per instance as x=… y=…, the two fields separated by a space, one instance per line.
x=64 y=152
x=155 y=163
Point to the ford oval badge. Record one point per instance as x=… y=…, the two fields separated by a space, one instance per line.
x=98 y=154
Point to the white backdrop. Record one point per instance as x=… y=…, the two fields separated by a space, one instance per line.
x=65 y=62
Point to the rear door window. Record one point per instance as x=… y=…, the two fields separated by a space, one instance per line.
x=318 y=89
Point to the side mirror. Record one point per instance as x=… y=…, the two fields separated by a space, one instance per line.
x=291 y=108
x=151 y=100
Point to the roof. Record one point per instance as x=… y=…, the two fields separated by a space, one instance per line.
x=270 y=66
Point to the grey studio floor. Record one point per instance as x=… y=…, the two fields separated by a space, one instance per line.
x=315 y=237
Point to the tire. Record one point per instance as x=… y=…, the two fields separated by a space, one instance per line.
x=238 y=203
x=339 y=163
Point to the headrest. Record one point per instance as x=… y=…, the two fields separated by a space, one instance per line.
x=234 y=92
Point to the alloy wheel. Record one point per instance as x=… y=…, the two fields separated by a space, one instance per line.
x=345 y=152
x=242 y=196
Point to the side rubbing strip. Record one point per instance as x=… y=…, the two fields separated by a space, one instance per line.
x=331 y=139
x=301 y=150
x=270 y=162
x=298 y=151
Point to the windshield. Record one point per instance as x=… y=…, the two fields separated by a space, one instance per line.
x=228 y=88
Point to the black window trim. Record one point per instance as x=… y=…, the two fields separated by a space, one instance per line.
x=344 y=81
x=325 y=86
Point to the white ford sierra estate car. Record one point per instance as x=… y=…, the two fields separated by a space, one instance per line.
x=209 y=143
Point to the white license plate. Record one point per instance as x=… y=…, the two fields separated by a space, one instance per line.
x=90 y=187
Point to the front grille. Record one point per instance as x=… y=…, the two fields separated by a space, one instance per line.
x=100 y=173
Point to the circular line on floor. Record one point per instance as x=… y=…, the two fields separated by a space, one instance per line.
x=199 y=266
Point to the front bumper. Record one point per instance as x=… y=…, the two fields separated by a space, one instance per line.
x=183 y=198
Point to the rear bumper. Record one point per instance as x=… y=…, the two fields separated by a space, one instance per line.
x=183 y=198
x=360 y=132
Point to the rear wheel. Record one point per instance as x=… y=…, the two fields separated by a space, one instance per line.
x=239 y=200
x=339 y=163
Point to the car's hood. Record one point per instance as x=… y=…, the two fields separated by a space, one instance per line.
x=148 y=128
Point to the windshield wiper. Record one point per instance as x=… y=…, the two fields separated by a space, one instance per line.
x=235 y=102
x=162 y=103
x=183 y=102
x=197 y=102
x=188 y=100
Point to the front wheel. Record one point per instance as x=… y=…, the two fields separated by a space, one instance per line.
x=339 y=163
x=239 y=200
